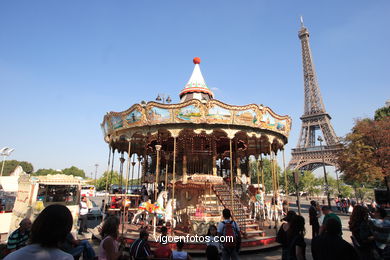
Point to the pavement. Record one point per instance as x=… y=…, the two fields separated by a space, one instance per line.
x=276 y=253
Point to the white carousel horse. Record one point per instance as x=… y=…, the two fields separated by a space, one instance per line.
x=148 y=208
x=168 y=217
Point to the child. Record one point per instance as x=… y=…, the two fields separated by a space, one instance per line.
x=179 y=254
x=212 y=233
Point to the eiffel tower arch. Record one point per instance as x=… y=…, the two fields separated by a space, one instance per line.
x=308 y=155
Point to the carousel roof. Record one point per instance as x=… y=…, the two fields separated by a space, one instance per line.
x=196 y=83
x=197 y=110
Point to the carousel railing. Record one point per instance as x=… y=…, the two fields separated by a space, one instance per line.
x=223 y=193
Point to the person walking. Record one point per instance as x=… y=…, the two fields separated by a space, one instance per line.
x=20 y=236
x=83 y=215
x=313 y=219
x=328 y=214
x=231 y=231
x=49 y=229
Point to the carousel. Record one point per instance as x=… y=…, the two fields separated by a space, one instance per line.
x=192 y=161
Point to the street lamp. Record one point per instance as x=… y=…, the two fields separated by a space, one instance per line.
x=325 y=174
x=96 y=167
x=164 y=98
x=5 y=152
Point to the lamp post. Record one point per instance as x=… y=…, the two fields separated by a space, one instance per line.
x=96 y=167
x=164 y=98
x=296 y=181
x=5 y=152
x=325 y=174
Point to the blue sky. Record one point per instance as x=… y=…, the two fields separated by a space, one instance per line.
x=64 y=64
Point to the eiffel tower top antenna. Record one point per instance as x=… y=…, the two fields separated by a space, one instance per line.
x=302 y=25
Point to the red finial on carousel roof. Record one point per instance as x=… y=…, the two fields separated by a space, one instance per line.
x=196 y=60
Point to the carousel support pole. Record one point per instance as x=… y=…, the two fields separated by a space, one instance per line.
x=214 y=164
x=231 y=173
x=122 y=160
x=158 y=148
x=112 y=165
x=173 y=179
x=274 y=185
x=184 y=168
x=166 y=173
x=132 y=172
x=258 y=167
x=139 y=170
x=262 y=173
x=108 y=169
x=285 y=176
x=127 y=182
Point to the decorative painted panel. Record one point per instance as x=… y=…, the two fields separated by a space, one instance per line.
x=159 y=115
x=281 y=125
x=116 y=122
x=134 y=117
x=189 y=113
x=246 y=116
x=217 y=114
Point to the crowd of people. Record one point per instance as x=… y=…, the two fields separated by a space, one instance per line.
x=368 y=224
x=50 y=237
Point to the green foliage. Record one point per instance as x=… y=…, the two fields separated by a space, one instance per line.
x=381 y=113
x=41 y=172
x=267 y=173
x=113 y=178
x=74 y=171
x=307 y=183
x=10 y=165
x=67 y=171
x=346 y=191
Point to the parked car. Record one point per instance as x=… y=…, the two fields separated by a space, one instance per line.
x=94 y=216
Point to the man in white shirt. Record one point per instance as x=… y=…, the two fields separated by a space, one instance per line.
x=83 y=215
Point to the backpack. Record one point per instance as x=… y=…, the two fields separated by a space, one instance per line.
x=230 y=232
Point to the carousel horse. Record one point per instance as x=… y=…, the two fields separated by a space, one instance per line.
x=168 y=217
x=260 y=207
x=149 y=208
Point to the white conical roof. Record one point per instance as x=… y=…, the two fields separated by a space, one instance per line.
x=196 y=83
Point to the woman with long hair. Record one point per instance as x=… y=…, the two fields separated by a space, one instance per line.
x=109 y=246
x=362 y=238
x=295 y=242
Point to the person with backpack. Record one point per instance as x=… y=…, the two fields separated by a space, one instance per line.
x=230 y=230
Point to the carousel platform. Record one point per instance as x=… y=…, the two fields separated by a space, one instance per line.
x=251 y=241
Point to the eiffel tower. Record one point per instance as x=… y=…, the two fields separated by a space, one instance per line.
x=308 y=155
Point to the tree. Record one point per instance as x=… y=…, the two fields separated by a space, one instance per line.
x=381 y=113
x=74 y=171
x=41 y=172
x=267 y=173
x=10 y=165
x=113 y=178
x=366 y=154
x=307 y=183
